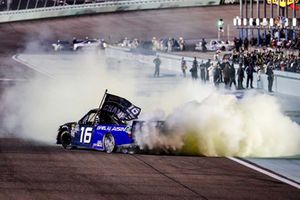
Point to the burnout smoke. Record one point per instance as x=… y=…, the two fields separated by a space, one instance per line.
x=198 y=118
x=35 y=109
x=221 y=125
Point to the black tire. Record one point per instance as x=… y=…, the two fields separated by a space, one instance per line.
x=109 y=143
x=65 y=139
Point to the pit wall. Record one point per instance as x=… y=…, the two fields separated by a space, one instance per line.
x=284 y=82
x=93 y=8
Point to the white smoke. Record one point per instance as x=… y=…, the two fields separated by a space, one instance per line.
x=35 y=109
x=199 y=119
x=221 y=125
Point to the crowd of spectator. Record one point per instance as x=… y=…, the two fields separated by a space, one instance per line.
x=224 y=72
x=217 y=73
x=279 y=59
x=270 y=54
x=165 y=45
x=280 y=54
x=170 y=44
x=287 y=41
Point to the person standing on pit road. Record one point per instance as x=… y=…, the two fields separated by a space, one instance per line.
x=183 y=66
x=202 y=72
x=236 y=44
x=157 y=63
x=259 y=82
x=241 y=76
x=232 y=76
x=222 y=66
x=240 y=43
x=246 y=43
x=226 y=74
x=250 y=70
x=207 y=66
x=203 y=45
x=270 y=74
x=194 y=69
x=170 y=45
x=210 y=71
x=74 y=41
x=217 y=74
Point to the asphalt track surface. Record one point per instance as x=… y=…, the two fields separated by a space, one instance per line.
x=31 y=170
x=35 y=171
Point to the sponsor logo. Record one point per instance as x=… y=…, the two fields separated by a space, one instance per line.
x=283 y=3
x=111 y=128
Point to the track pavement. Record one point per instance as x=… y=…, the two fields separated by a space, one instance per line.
x=36 y=171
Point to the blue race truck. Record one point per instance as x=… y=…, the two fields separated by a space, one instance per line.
x=107 y=128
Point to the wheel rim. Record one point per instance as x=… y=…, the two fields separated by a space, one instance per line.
x=109 y=143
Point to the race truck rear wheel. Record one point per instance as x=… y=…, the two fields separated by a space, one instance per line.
x=65 y=138
x=109 y=143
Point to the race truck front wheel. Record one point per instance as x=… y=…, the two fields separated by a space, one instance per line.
x=65 y=139
x=109 y=143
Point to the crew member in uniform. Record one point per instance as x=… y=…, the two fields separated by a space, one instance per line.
x=270 y=74
x=157 y=63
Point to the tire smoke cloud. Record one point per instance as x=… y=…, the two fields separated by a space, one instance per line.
x=199 y=119
x=35 y=109
x=218 y=124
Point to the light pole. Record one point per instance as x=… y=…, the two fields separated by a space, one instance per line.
x=241 y=16
x=294 y=20
x=220 y=26
x=257 y=20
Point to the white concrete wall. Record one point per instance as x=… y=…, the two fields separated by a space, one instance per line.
x=284 y=82
x=130 y=5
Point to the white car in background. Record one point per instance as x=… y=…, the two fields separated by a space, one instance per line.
x=215 y=45
x=87 y=44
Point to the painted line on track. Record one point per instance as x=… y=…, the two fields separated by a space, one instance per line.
x=12 y=79
x=16 y=58
x=266 y=172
